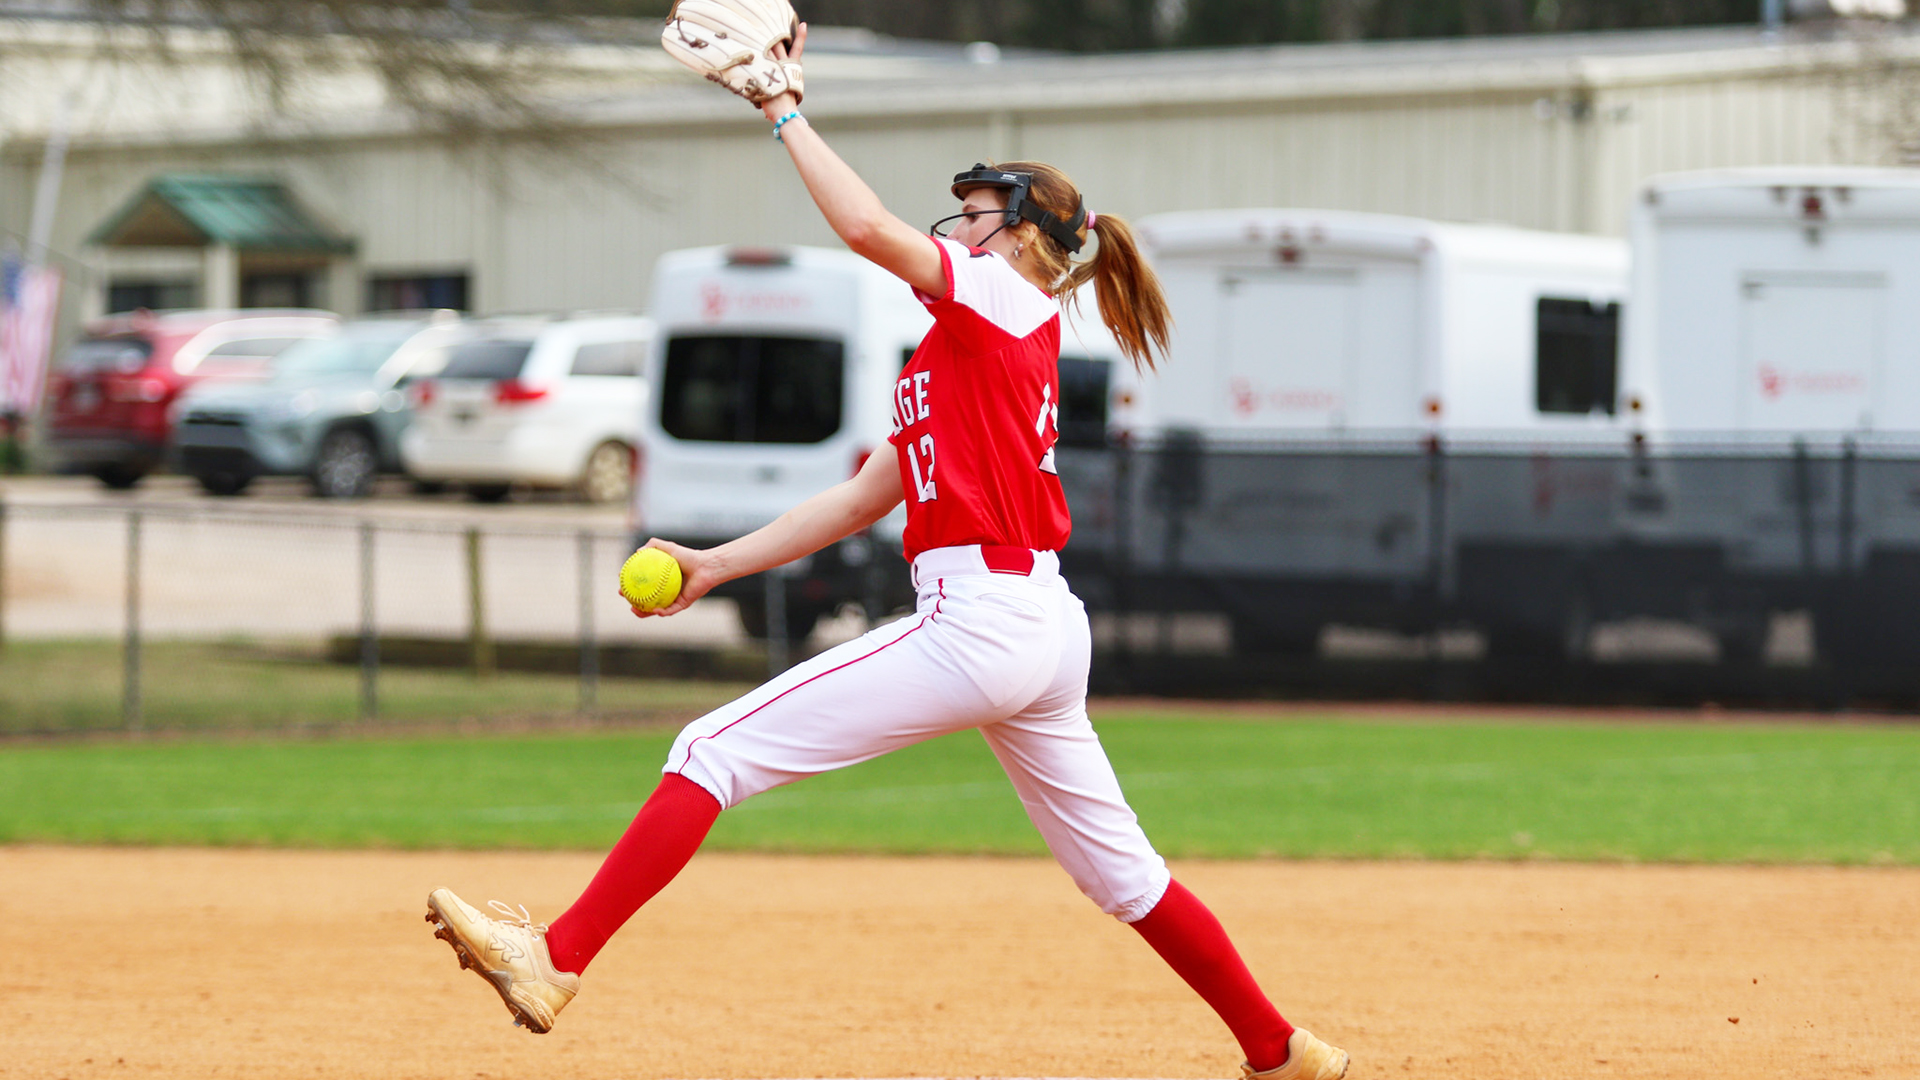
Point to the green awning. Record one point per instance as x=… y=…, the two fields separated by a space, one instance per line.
x=251 y=214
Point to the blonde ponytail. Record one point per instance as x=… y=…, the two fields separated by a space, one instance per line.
x=1131 y=302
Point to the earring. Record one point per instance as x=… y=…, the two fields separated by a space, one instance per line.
x=1018 y=250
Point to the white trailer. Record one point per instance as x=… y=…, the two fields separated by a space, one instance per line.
x=1353 y=405
x=1775 y=305
x=1775 y=340
x=1328 y=323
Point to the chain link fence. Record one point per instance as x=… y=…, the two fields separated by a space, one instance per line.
x=1783 y=575
x=145 y=617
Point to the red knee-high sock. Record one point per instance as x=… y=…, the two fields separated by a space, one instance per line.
x=1194 y=944
x=663 y=837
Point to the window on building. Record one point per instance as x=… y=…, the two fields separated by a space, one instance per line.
x=416 y=292
x=1576 y=356
x=752 y=389
x=277 y=290
x=123 y=295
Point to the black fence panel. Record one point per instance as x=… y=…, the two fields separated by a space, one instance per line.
x=1534 y=550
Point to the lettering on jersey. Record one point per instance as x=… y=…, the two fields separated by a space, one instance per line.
x=910 y=404
x=922 y=481
x=1049 y=413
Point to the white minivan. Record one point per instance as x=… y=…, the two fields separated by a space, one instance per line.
x=542 y=401
x=772 y=376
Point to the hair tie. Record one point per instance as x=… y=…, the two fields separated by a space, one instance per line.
x=1091 y=218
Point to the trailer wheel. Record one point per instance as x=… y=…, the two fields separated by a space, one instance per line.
x=1516 y=641
x=1252 y=637
x=1743 y=647
x=801 y=617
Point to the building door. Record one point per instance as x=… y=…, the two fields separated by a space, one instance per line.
x=279 y=289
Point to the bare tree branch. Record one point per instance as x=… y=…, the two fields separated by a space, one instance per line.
x=1878 y=97
x=484 y=78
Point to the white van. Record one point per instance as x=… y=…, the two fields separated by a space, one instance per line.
x=547 y=401
x=1318 y=322
x=773 y=373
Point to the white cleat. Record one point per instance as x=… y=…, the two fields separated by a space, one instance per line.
x=510 y=953
x=1307 y=1059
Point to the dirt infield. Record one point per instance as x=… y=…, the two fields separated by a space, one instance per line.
x=189 y=963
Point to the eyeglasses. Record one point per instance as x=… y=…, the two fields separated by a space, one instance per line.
x=945 y=226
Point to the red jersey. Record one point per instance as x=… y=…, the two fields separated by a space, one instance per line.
x=977 y=410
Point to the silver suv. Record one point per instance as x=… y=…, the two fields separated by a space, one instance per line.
x=333 y=409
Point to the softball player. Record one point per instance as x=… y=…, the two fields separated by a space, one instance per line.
x=998 y=643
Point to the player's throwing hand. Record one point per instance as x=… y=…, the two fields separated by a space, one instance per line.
x=697 y=577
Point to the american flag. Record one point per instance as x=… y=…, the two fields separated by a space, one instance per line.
x=29 y=302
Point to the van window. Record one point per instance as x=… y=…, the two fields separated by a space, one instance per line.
x=152 y=295
x=610 y=358
x=358 y=348
x=243 y=355
x=411 y=292
x=752 y=389
x=107 y=354
x=488 y=358
x=1083 y=400
x=1576 y=356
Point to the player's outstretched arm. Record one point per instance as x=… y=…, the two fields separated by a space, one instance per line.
x=854 y=212
x=837 y=512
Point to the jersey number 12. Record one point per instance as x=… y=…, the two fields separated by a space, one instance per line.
x=922 y=481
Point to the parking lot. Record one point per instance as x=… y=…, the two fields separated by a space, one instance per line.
x=277 y=563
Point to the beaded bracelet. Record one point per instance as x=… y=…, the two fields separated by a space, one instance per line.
x=782 y=122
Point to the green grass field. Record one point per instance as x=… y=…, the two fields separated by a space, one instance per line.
x=1296 y=787
x=75 y=686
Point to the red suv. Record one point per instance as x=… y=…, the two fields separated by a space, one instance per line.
x=111 y=395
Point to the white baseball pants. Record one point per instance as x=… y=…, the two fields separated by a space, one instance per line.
x=1006 y=653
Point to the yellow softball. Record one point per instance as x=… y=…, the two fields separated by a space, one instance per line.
x=650 y=579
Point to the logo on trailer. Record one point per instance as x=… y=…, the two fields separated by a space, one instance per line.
x=1248 y=399
x=716 y=303
x=1776 y=384
x=713 y=302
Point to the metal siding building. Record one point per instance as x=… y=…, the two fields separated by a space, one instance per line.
x=1551 y=133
